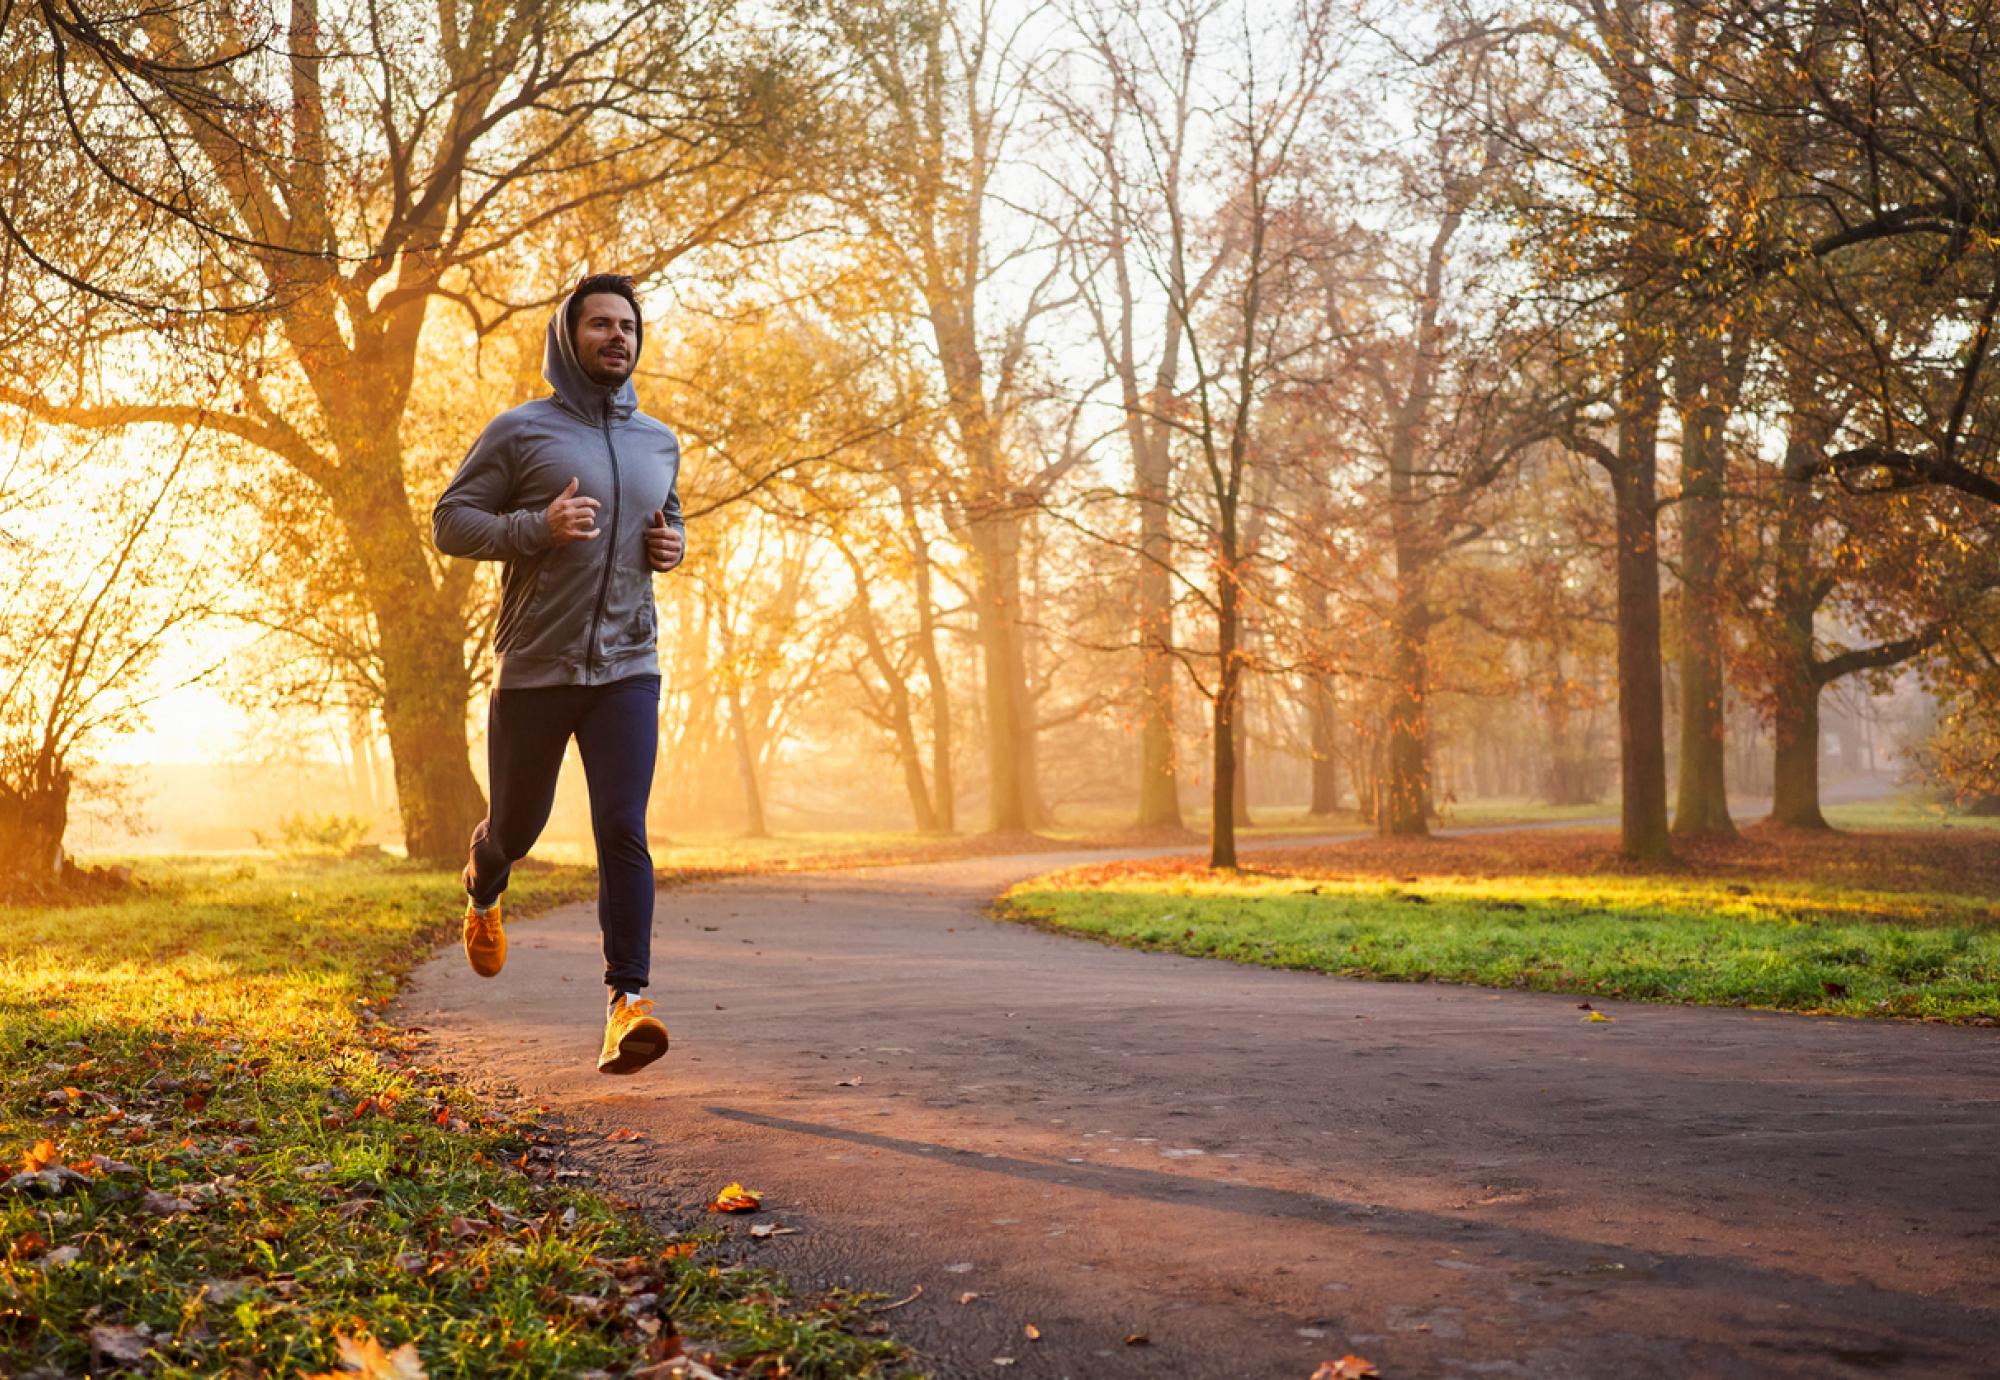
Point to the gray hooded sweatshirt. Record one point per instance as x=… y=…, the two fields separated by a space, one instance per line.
x=580 y=613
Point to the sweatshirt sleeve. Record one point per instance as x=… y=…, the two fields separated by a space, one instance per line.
x=671 y=510
x=470 y=517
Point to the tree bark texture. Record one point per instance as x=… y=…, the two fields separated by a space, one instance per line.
x=1643 y=831
x=1703 y=804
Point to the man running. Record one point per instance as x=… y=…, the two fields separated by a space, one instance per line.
x=575 y=637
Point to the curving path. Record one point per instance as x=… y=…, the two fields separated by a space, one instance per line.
x=1257 y=1170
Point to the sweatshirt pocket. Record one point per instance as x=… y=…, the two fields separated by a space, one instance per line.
x=520 y=597
x=628 y=618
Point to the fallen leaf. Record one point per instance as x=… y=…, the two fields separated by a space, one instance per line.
x=848 y=1083
x=768 y=1229
x=1598 y=1017
x=680 y=1250
x=158 y=1204
x=624 y=1133
x=125 y=1345
x=1348 y=1367
x=1034 y=1333
x=364 y=1356
x=59 y=1257
x=1136 y=1339
x=967 y=1297
x=1003 y=1360
x=735 y=1198
x=40 y=1157
x=679 y=1368
x=44 y=1183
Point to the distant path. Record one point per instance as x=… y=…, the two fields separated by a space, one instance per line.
x=1259 y=1169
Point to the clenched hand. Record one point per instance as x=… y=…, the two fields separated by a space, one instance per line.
x=572 y=518
x=664 y=544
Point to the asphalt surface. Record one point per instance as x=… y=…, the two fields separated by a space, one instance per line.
x=1258 y=1170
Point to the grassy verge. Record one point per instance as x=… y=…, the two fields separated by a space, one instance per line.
x=1905 y=814
x=1887 y=924
x=264 y=1170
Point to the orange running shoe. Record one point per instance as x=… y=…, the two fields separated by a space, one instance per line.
x=485 y=941
x=632 y=1038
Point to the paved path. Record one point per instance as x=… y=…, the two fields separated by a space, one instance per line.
x=1257 y=1170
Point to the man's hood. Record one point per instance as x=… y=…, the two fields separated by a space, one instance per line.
x=575 y=389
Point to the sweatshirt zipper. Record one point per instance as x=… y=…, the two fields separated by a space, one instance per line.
x=610 y=553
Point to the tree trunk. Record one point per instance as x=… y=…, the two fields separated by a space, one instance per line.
x=33 y=820
x=1795 y=762
x=1641 y=691
x=1239 y=723
x=944 y=790
x=754 y=826
x=899 y=716
x=1222 y=800
x=1703 y=806
x=1406 y=804
x=1026 y=688
x=1325 y=746
x=921 y=809
x=1010 y=800
x=1159 y=790
x=426 y=684
x=1797 y=594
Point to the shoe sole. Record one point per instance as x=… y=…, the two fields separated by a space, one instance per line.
x=635 y=1051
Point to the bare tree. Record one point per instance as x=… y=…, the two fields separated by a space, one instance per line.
x=86 y=610
x=942 y=84
x=1234 y=260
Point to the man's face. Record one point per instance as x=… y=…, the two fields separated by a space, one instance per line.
x=607 y=338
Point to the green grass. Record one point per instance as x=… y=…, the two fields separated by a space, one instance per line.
x=1292 y=821
x=1521 y=810
x=1792 y=945
x=215 y=1033
x=1903 y=814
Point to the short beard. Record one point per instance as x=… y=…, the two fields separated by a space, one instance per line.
x=604 y=380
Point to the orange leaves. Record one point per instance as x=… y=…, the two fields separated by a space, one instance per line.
x=624 y=1134
x=1348 y=1367
x=382 y=1104
x=735 y=1198
x=43 y=1174
x=364 y=1357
